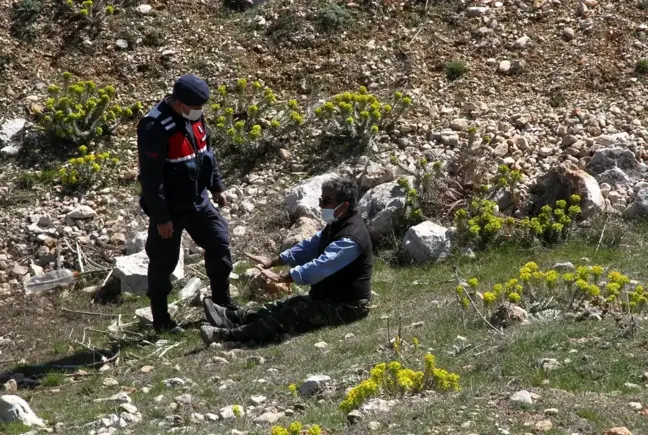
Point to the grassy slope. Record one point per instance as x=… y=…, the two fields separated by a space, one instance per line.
x=588 y=389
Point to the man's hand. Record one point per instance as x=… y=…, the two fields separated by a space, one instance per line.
x=275 y=277
x=220 y=198
x=165 y=230
x=260 y=260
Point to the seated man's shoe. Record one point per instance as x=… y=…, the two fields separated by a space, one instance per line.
x=216 y=315
x=210 y=334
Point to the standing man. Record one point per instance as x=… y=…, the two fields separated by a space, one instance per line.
x=336 y=262
x=177 y=168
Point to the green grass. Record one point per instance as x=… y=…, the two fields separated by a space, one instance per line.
x=588 y=388
x=53 y=379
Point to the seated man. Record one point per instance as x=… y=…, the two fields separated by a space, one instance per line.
x=337 y=263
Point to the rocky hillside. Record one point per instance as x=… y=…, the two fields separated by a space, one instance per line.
x=554 y=90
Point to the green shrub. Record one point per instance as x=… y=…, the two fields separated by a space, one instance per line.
x=24 y=15
x=93 y=11
x=360 y=115
x=80 y=113
x=84 y=171
x=478 y=225
x=534 y=287
x=332 y=17
x=246 y=117
x=455 y=69
x=553 y=225
x=641 y=67
x=443 y=187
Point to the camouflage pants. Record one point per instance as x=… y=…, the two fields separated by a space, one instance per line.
x=295 y=315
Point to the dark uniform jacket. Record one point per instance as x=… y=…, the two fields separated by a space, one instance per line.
x=176 y=163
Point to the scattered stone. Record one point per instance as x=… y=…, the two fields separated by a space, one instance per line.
x=379 y=406
x=618 y=431
x=82 y=212
x=635 y=406
x=374 y=425
x=354 y=417
x=374 y=175
x=313 y=385
x=144 y=9
x=10 y=387
x=551 y=412
x=549 y=364
x=522 y=396
x=227 y=413
x=504 y=66
x=110 y=382
x=507 y=315
x=119 y=397
x=184 y=399
x=132 y=272
x=174 y=382
x=564 y=267
x=147 y=369
x=321 y=345
x=127 y=407
x=522 y=42
x=258 y=400
x=381 y=207
x=427 y=242
x=137 y=243
x=256 y=359
x=145 y=316
x=544 y=425
x=270 y=417
x=303 y=199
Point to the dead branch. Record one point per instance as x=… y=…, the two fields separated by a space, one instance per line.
x=88 y=313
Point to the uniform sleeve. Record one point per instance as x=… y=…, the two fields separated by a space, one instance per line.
x=152 y=153
x=217 y=179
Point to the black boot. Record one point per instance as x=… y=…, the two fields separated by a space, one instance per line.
x=221 y=296
x=161 y=318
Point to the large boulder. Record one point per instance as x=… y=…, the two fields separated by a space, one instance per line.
x=303 y=199
x=373 y=175
x=9 y=145
x=13 y=409
x=131 y=270
x=619 y=160
x=427 y=242
x=137 y=243
x=382 y=207
x=304 y=228
x=563 y=181
x=639 y=207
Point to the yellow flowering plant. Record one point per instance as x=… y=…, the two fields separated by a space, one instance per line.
x=80 y=112
x=535 y=287
x=478 y=225
x=359 y=115
x=393 y=379
x=84 y=171
x=249 y=115
x=296 y=428
x=553 y=224
x=92 y=11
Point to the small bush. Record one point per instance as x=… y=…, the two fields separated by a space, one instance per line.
x=360 y=115
x=24 y=15
x=93 y=12
x=296 y=428
x=535 y=287
x=247 y=117
x=53 y=379
x=332 y=17
x=443 y=187
x=553 y=225
x=394 y=380
x=455 y=69
x=84 y=171
x=478 y=226
x=80 y=113
x=641 y=67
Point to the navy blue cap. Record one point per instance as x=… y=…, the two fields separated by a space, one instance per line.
x=191 y=90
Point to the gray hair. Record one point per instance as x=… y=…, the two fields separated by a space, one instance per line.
x=345 y=190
